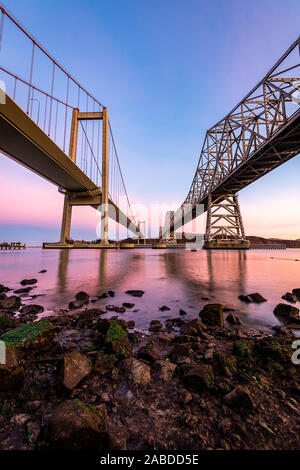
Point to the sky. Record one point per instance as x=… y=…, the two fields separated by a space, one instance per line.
x=167 y=70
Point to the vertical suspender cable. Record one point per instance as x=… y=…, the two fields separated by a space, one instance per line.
x=30 y=77
x=51 y=99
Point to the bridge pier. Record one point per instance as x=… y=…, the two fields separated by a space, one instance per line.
x=224 y=225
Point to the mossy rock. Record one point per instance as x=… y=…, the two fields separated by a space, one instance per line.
x=6 y=322
x=104 y=363
x=271 y=348
x=226 y=361
x=116 y=340
x=242 y=349
x=32 y=338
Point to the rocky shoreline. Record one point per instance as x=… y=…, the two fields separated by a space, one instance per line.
x=76 y=380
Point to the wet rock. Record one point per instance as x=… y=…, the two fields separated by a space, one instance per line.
x=131 y=324
x=6 y=322
x=148 y=353
x=239 y=398
x=75 y=304
x=297 y=293
x=27 y=282
x=136 y=372
x=182 y=312
x=164 y=308
x=72 y=369
x=11 y=373
x=10 y=303
x=43 y=271
x=193 y=328
x=23 y=290
x=212 y=315
x=111 y=293
x=257 y=298
x=233 y=319
x=32 y=339
x=245 y=298
x=181 y=353
x=4 y=288
x=287 y=311
x=289 y=297
x=155 y=326
x=104 y=363
x=127 y=305
x=164 y=370
x=120 y=310
x=32 y=309
x=135 y=293
x=77 y=425
x=82 y=297
x=116 y=340
x=200 y=377
x=102 y=296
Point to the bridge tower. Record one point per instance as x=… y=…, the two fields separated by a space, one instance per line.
x=224 y=225
x=69 y=201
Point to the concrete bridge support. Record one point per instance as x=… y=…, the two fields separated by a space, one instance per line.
x=224 y=226
x=68 y=203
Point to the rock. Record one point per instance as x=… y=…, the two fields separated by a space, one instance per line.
x=184 y=396
x=104 y=363
x=181 y=353
x=297 y=293
x=11 y=373
x=135 y=293
x=131 y=324
x=74 y=304
x=4 y=288
x=31 y=309
x=193 y=328
x=102 y=296
x=245 y=298
x=239 y=398
x=116 y=340
x=136 y=372
x=10 y=303
x=127 y=305
x=155 y=326
x=27 y=282
x=212 y=315
x=117 y=437
x=111 y=293
x=120 y=309
x=200 y=377
x=23 y=290
x=164 y=370
x=257 y=298
x=73 y=368
x=164 y=308
x=31 y=339
x=289 y=297
x=82 y=297
x=33 y=432
x=20 y=419
x=182 y=312
x=148 y=353
x=287 y=311
x=43 y=271
x=233 y=319
x=75 y=425
x=6 y=322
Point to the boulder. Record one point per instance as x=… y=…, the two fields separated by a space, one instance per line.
x=28 y=282
x=127 y=305
x=137 y=373
x=200 y=377
x=239 y=398
x=164 y=370
x=135 y=293
x=164 y=308
x=193 y=328
x=182 y=312
x=245 y=298
x=257 y=298
x=74 y=304
x=116 y=340
x=181 y=353
x=297 y=293
x=11 y=373
x=10 y=303
x=212 y=315
x=290 y=297
x=31 y=339
x=155 y=326
x=32 y=309
x=23 y=290
x=111 y=293
x=148 y=353
x=288 y=312
x=4 y=288
x=75 y=425
x=233 y=319
x=73 y=368
x=82 y=297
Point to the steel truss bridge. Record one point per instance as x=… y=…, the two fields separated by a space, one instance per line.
x=259 y=134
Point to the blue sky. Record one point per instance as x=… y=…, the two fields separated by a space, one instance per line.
x=167 y=70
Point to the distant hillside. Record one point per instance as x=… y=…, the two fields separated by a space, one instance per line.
x=273 y=241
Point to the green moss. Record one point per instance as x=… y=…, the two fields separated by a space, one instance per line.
x=4 y=322
x=210 y=380
x=115 y=332
x=27 y=332
x=91 y=408
x=242 y=349
x=226 y=388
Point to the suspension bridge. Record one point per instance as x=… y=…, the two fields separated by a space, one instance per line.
x=261 y=133
x=52 y=125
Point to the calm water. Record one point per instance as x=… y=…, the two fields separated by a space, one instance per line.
x=177 y=278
